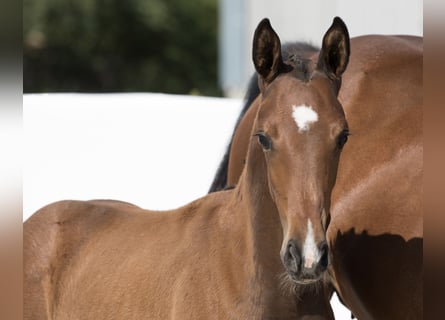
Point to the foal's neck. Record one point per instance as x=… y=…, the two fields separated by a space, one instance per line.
x=262 y=214
x=264 y=236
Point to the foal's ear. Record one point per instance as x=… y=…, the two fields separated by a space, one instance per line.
x=334 y=54
x=266 y=52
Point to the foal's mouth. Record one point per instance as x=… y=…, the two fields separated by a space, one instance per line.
x=291 y=283
x=306 y=281
x=303 y=281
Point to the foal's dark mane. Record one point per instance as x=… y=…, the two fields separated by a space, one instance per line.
x=293 y=53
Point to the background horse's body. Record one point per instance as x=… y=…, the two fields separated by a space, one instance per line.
x=376 y=230
x=377 y=222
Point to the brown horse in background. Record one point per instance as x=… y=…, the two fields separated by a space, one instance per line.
x=228 y=255
x=375 y=233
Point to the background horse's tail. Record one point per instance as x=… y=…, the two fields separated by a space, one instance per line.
x=220 y=179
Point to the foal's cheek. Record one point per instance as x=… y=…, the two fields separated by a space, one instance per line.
x=280 y=200
x=275 y=194
x=275 y=187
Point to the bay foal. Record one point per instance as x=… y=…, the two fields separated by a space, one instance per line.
x=221 y=256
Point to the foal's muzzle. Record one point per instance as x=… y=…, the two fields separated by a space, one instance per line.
x=305 y=267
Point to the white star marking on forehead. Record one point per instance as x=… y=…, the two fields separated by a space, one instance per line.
x=304 y=116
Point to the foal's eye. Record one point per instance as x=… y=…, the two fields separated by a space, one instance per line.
x=342 y=138
x=264 y=141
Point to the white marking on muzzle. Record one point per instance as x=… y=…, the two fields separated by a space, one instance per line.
x=304 y=116
x=311 y=254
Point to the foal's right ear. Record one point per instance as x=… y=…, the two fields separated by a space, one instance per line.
x=266 y=52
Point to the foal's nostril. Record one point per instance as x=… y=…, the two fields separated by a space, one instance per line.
x=324 y=257
x=294 y=253
x=293 y=256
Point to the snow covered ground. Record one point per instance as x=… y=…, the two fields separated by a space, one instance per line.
x=154 y=150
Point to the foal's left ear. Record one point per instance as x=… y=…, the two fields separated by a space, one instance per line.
x=334 y=54
x=266 y=53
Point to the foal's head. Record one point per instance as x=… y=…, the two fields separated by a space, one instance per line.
x=301 y=128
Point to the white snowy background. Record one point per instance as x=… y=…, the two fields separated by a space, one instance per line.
x=157 y=151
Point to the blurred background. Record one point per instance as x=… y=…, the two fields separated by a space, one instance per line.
x=198 y=47
x=119 y=46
